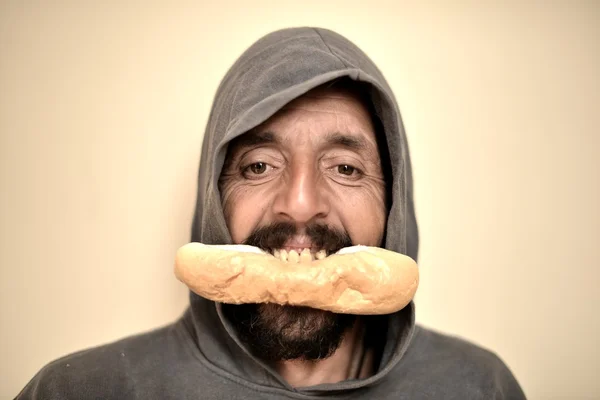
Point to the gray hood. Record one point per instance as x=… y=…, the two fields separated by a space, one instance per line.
x=275 y=70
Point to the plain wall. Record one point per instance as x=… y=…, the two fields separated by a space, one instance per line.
x=102 y=112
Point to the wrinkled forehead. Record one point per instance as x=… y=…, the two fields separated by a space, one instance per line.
x=346 y=103
x=328 y=98
x=335 y=116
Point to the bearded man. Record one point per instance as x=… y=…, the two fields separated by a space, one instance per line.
x=304 y=149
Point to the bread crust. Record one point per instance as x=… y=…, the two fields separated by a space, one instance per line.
x=364 y=280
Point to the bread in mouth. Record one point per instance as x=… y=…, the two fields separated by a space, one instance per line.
x=360 y=280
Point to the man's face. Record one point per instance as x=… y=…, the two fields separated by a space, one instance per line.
x=309 y=177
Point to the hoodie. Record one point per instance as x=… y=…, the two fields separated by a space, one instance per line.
x=200 y=356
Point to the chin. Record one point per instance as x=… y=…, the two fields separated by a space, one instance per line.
x=276 y=332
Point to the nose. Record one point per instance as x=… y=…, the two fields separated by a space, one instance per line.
x=302 y=197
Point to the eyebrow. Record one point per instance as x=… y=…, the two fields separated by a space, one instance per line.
x=351 y=142
x=255 y=138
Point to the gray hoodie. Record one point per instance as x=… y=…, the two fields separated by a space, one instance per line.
x=200 y=356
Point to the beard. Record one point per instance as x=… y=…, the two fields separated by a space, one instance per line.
x=276 y=332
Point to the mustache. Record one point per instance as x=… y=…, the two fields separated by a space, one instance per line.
x=274 y=236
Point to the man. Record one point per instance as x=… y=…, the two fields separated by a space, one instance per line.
x=304 y=148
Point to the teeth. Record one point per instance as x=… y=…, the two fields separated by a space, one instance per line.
x=302 y=256
x=305 y=256
x=293 y=256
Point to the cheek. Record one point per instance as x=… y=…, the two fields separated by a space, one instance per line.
x=364 y=215
x=243 y=209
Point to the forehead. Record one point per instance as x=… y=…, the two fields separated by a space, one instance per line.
x=321 y=112
x=324 y=116
x=341 y=104
x=335 y=100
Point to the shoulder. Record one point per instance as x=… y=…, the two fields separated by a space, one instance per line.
x=108 y=370
x=478 y=371
x=452 y=348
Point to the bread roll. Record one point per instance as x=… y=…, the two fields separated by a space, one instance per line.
x=356 y=280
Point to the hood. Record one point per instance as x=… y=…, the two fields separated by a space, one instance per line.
x=276 y=69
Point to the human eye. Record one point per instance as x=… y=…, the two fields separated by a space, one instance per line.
x=348 y=170
x=256 y=170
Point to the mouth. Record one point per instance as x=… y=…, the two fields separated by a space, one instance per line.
x=297 y=255
x=302 y=247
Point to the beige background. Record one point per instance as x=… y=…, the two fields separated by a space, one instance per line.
x=102 y=110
